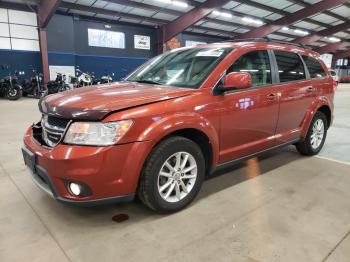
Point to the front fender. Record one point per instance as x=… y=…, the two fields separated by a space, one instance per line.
x=179 y=121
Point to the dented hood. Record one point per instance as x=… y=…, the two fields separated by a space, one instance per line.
x=95 y=102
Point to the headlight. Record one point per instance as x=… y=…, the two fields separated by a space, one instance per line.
x=97 y=133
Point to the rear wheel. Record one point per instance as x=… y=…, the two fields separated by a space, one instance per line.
x=172 y=175
x=315 y=137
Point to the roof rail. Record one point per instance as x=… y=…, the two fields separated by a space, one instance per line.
x=265 y=39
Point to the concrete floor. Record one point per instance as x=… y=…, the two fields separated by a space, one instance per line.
x=297 y=209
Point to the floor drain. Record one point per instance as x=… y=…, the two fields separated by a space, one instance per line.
x=120 y=218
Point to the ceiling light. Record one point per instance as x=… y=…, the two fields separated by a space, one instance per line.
x=285 y=28
x=302 y=32
x=334 y=39
x=224 y=14
x=179 y=3
x=251 y=20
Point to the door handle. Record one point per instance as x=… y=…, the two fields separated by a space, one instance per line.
x=271 y=96
x=310 y=89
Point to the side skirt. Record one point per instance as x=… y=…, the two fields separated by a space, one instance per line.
x=242 y=159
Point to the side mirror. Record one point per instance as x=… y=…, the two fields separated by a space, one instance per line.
x=237 y=80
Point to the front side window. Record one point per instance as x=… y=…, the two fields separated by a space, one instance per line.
x=187 y=67
x=290 y=67
x=315 y=68
x=257 y=64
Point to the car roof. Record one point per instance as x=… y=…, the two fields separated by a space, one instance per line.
x=268 y=45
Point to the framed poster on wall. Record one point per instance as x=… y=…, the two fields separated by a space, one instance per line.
x=142 y=42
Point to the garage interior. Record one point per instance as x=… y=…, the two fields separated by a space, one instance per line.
x=283 y=207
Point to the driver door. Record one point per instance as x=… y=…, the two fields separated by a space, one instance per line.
x=249 y=118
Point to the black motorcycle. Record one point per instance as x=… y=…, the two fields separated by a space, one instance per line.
x=34 y=86
x=58 y=85
x=9 y=86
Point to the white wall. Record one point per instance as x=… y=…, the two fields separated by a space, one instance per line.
x=18 y=30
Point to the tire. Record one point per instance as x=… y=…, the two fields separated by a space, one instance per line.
x=14 y=94
x=308 y=146
x=152 y=182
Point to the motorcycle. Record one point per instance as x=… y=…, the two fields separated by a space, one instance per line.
x=58 y=85
x=84 y=79
x=9 y=86
x=34 y=87
x=105 y=79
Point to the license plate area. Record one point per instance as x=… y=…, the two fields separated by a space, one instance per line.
x=29 y=159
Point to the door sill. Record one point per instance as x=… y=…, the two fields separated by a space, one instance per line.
x=242 y=159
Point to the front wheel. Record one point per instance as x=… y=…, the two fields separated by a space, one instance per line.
x=14 y=93
x=172 y=175
x=315 y=136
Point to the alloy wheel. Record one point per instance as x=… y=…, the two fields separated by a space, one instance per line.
x=177 y=177
x=317 y=134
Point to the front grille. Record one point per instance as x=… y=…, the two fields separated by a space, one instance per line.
x=58 y=122
x=53 y=129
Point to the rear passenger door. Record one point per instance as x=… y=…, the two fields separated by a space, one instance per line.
x=296 y=95
x=321 y=82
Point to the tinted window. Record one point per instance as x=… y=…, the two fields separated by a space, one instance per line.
x=257 y=64
x=290 y=66
x=314 y=67
x=333 y=73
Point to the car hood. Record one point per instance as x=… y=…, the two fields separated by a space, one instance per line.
x=95 y=102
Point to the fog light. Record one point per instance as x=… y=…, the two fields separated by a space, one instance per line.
x=75 y=189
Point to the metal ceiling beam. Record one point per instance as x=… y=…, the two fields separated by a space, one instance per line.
x=46 y=9
x=156 y=21
x=190 y=18
x=331 y=48
x=304 y=4
x=278 y=11
x=207 y=19
x=292 y=18
x=343 y=54
x=323 y=33
x=111 y=13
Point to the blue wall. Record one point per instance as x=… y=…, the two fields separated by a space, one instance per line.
x=19 y=60
x=68 y=46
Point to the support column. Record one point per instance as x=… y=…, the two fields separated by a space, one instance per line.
x=44 y=55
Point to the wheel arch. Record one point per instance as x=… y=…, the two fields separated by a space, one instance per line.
x=323 y=105
x=325 y=109
x=189 y=125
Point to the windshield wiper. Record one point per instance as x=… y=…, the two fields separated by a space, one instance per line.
x=148 y=82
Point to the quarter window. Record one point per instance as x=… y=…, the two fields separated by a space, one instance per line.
x=290 y=67
x=315 y=68
x=257 y=64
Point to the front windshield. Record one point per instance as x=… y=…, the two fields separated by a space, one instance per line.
x=187 y=67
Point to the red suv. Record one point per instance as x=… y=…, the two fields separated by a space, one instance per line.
x=176 y=119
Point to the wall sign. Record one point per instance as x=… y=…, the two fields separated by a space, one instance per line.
x=142 y=42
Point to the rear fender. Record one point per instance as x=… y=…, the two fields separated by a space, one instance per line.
x=321 y=101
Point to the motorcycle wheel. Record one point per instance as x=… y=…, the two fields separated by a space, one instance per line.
x=14 y=93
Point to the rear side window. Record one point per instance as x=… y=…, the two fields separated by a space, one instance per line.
x=290 y=66
x=257 y=64
x=315 y=68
